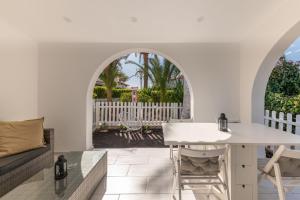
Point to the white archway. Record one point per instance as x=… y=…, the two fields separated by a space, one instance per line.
x=262 y=76
x=89 y=100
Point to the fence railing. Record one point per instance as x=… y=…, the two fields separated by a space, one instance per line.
x=283 y=121
x=151 y=114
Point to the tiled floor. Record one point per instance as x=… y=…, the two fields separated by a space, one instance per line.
x=145 y=174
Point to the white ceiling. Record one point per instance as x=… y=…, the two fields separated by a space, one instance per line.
x=156 y=20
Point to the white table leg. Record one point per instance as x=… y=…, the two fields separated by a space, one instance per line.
x=242 y=170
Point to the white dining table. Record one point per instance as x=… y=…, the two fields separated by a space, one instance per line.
x=243 y=140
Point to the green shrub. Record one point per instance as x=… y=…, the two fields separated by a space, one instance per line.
x=155 y=95
x=285 y=78
x=99 y=92
x=174 y=96
x=117 y=92
x=280 y=103
x=144 y=95
x=283 y=88
x=178 y=92
x=148 y=95
x=126 y=97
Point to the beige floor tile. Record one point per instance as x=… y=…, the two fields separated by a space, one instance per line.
x=124 y=151
x=144 y=197
x=111 y=197
x=159 y=185
x=156 y=152
x=111 y=159
x=117 y=170
x=160 y=160
x=132 y=160
x=165 y=197
x=105 y=197
x=126 y=185
x=150 y=170
x=199 y=196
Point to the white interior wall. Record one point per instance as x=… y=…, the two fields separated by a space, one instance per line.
x=259 y=53
x=65 y=72
x=18 y=75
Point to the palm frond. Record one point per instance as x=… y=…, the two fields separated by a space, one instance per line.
x=134 y=63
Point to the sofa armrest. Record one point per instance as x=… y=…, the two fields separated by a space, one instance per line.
x=49 y=137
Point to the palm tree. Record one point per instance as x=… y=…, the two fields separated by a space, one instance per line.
x=110 y=74
x=144 y=67
x=162 y=72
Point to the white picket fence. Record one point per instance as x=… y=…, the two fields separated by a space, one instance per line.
x=283 y=121
x=151 y=114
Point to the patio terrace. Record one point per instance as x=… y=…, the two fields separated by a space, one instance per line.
x=145 y=174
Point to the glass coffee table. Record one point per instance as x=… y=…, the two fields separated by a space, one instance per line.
x=86 y=170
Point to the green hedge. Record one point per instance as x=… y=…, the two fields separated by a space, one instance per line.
x=150 y=95
x=116 y=93
x=144 y=95
x=100 y=92
x=280 y=103
x=126 y=97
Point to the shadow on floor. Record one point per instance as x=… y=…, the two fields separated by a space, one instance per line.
x=115 y=138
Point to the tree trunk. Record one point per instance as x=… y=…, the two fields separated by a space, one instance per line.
x=163 y=94
x=146 y=69
x=109 y=94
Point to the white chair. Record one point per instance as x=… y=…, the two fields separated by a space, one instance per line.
x=196 y=168
x=283 y=170
x=131 y=122
x=172 y=149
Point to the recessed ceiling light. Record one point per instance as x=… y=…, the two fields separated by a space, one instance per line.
x=133 y=19
x=200 y=19
x=67 y=19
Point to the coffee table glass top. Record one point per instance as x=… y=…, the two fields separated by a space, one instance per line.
x=43 y=186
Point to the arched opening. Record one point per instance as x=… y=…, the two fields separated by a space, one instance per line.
x=283 y=87
x=263 y=74
x=274 y=93
x=153 y=54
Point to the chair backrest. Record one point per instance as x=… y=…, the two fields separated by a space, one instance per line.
x=129 y=120
x=200 y=162
x=288 y=160
x=195 y=153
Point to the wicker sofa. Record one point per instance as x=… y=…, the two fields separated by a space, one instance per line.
x=17 y=168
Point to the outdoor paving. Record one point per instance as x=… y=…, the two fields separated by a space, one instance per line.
x=114 y=138
x=145 y=174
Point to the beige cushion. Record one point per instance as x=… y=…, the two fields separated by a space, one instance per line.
x=199 y=166
x=20 y=136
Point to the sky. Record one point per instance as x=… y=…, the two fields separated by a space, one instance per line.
x=131 y=69
x=293 y=51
